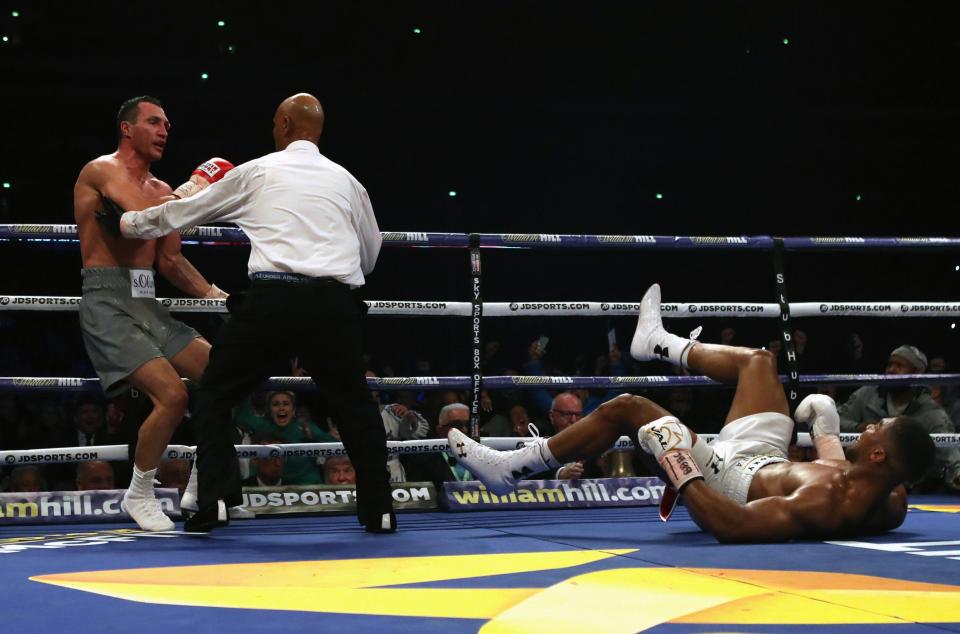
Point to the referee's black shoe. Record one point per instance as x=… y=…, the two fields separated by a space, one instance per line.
x=208 y=518
x=382 y=523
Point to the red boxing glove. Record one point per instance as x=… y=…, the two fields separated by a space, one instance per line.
x=206 y=173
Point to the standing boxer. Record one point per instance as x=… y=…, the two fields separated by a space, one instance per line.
x=313 y=238
x=130 y=339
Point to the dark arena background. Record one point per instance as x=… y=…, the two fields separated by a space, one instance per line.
x=543 y=126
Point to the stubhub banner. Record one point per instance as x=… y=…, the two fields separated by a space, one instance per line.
x=552 y=494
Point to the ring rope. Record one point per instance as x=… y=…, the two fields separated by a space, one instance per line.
x=386 y=384
x=214 y=235
x=119 y=453
x=673 y=310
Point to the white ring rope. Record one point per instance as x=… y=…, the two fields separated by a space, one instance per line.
x=671 y=310
x=115 y=453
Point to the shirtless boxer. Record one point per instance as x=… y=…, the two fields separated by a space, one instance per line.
x=130 y=339
x=742 y=487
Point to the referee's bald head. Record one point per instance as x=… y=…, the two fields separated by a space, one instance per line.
x=298 y=118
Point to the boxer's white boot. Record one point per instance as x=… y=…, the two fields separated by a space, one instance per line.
x=500 y=470
x=651 y=341
x=142 y=505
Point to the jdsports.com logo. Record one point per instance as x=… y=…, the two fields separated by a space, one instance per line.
x=11 y=459
x=514 y=306
x=4 y=300
x=824 y=308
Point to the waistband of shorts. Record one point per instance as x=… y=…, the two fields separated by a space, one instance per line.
x=754 y=463
x=108 y=277
x=293 y=278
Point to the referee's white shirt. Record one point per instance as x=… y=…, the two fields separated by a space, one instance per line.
x=302 y=212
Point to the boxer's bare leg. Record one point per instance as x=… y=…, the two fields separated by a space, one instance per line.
x=192 y=360
x=159 y=380
x=755 y=371
x=595 y=433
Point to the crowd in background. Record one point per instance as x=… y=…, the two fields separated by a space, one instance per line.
x=31 y=421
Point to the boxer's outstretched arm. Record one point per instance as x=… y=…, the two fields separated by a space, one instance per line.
x=807 y=512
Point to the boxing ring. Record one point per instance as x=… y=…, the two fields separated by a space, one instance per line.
x=611 y=569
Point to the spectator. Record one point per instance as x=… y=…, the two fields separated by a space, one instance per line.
x=269 y=471
x=26 y=479
x=282 y=422
x=565 y=410
x=519 y=421
x=89 y=421
x=727 y=336
x=49 y=428
x=873 y=403
x=94 y=475
x=493 y=422
x=534 y=366
x=855 y=362
x=400 y=423
x=339 y=470
x=440 y=467
x=947 y=396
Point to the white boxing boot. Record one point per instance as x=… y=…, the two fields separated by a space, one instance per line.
x=500 y=470
x=142 y=505
x=651 y=341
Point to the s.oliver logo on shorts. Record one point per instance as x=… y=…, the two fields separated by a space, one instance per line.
x=141 y=283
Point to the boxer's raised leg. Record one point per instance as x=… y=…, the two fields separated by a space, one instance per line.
x=755 y=371
x=587 y=438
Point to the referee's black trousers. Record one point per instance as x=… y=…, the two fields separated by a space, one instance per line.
x=319 y=322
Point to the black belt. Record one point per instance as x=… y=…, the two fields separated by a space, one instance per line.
x=293 y=278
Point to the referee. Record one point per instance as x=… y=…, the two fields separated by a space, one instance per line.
x=313 y=238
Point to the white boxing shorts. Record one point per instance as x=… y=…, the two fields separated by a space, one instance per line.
x=742 y=448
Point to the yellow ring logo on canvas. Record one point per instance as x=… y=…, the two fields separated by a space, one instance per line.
x=625 y=598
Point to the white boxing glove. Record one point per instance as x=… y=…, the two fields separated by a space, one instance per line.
x=663 y=435
x=670 y=442
x=820 y=412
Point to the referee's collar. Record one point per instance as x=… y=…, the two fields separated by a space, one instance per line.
x=302 y=145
